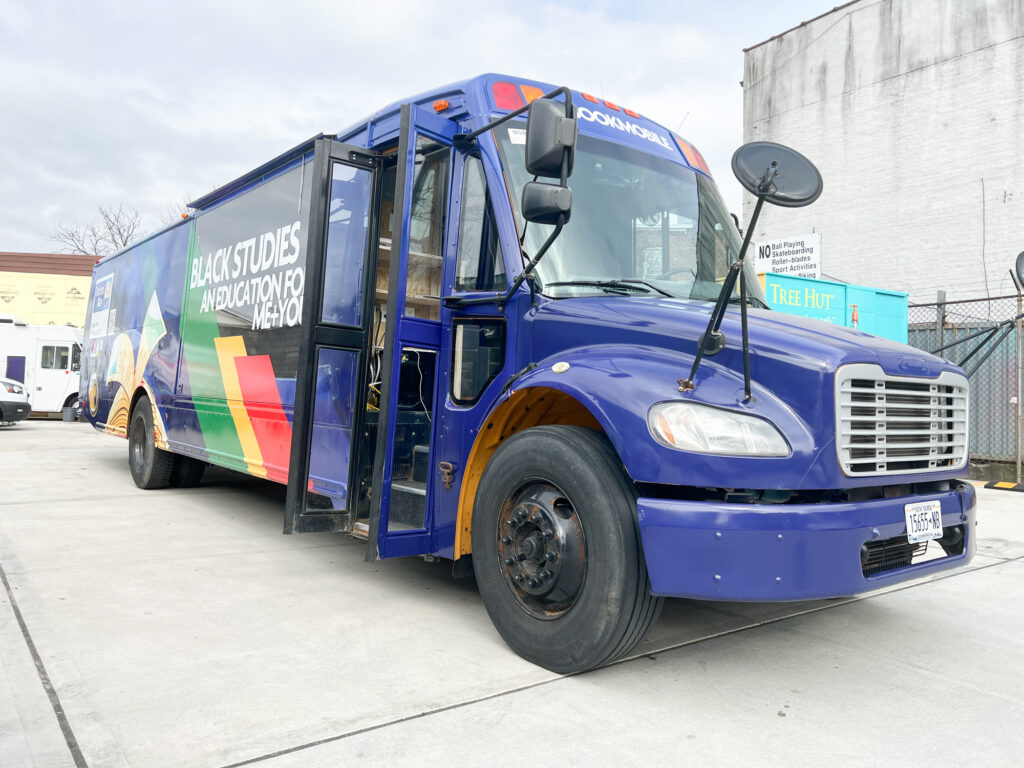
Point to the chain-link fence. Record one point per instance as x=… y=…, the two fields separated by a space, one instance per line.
x=994 y=368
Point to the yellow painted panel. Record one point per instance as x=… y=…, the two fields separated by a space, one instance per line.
x=228 y=348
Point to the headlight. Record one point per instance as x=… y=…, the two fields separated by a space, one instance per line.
x=705 y=429
x=14 y=389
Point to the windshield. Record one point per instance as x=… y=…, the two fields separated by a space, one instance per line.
x=640 y=226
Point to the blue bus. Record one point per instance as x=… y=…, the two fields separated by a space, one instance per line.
x=511 y=326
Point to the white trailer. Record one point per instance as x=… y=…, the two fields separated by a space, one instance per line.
x=45 y=358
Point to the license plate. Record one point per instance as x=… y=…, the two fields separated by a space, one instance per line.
x=924 y=521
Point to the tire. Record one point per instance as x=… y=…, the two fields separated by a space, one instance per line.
x=151 y=467
x=186 y=472
x=557 y=552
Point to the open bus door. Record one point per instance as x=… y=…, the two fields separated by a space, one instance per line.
x=404 y=475
x=331 y=386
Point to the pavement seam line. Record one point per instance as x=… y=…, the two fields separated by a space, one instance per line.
x=44 y=678
x=845 y=601
x=399 y=721
x=650 y=654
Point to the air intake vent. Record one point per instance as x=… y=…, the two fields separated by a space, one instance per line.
x=892 y=425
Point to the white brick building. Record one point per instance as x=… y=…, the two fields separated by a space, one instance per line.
x=913 y=110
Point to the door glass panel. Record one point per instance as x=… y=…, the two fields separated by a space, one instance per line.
x=330 y=447
x=344 y=262
x=411 y=457
x=426 y=231
x=479 y=355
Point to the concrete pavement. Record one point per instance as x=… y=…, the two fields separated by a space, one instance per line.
x=181 y=627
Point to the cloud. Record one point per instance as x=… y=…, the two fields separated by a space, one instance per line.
x=107 y=102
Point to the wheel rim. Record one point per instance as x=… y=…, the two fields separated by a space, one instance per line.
x=138 y=444
x=542 y=550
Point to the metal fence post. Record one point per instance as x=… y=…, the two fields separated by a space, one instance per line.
x=1020 y=385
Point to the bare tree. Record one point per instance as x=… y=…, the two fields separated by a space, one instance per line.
x=175 y=211
x=116 y=229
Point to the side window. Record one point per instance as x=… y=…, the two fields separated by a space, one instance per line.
x=76 y=358
x=479 y=266
x=54 y=358
x=478 y=355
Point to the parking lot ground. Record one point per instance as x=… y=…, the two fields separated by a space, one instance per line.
x=181 y=628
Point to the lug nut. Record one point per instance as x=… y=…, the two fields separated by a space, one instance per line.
x=520 y=557
x=519 y=577
x=532 y=583
x=548 y=535
x=509 y=561
x=506 y=539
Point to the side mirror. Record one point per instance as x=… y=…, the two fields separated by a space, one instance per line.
x=1020 y=270
x=780 y=175
x=544 y=203
x=549 y=133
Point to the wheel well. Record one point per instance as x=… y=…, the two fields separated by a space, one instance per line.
x=525 y=409
x=139 y=392
x=71 y=400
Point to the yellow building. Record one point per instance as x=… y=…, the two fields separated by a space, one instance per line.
x=45 y=288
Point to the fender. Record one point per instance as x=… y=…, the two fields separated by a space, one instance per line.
x=611 y=388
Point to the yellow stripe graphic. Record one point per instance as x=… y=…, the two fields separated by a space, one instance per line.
x=228 y=348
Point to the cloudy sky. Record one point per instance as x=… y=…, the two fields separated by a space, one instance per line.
x=152 y=104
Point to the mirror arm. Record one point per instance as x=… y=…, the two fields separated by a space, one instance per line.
x=746 y=339
x=709 y=341
x=462 y=139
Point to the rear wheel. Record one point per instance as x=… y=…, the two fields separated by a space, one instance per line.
x=187 y=471
x=151 y=467
x=556 y=550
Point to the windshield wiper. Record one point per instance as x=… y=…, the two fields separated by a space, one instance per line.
x=621 y=287
x=750 y=300
x=662 y=291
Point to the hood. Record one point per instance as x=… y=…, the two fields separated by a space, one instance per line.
x=677 y=324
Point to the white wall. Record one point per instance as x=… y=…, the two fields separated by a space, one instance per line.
x=913 y=110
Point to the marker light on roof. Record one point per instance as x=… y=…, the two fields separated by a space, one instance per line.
x=507 y=96
x=531 y=92
x=693 y=157
x=441 y=105
x=611 y=106
x=588 y=97
x=630 y=112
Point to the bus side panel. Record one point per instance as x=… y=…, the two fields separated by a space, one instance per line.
x=240 y=324
x=132 y=331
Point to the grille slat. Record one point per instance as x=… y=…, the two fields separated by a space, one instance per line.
x=899 y=425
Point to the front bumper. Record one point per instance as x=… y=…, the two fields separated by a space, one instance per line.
x=762 y=552
x=14 y=411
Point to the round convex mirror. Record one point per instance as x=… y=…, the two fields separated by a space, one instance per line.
x=779 y=174
x=1020 y=267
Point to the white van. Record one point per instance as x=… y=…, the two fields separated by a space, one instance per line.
x=45 y=359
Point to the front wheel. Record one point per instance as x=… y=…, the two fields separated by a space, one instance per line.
x=557 y=552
